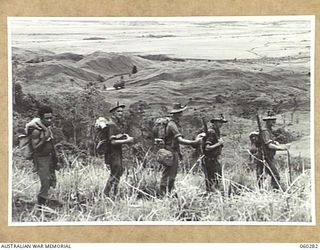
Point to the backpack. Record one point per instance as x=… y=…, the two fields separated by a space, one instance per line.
x=25 y=146
x=159 y=129
x=102 y=141
x=255 y=141
x=102 y=135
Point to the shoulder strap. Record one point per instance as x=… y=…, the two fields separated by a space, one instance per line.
x=172 y=141
x=165 y=128
x=33 y=129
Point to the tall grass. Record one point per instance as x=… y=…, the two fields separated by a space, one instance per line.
x=80 y=189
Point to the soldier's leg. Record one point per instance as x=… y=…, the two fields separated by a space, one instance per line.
x=108 y=161
x=173 y=171
x=209 y=174
x=164 y=182
x=43 y=166
x=169 y=175
x=52 y=177
x=217 y=172
x=109 y=185
x=260 y=173
x=117 y=175
x=273 y=172
x=111 y=179
x=116 y=172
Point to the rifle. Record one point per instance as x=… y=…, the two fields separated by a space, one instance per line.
x=289 y=166
x=205 y=128
x=263 y=146
x=264 y=151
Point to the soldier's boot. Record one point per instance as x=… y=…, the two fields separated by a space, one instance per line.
x=54 y=203
x=41 y=201
x=106 y=192
x=115 y=189
x=108 y=187
x=209 y=185
x=275 y=183
x=174 y=195
x=163 y=190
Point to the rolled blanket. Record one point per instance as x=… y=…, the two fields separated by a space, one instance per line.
x=34 y=123
x=102 y=122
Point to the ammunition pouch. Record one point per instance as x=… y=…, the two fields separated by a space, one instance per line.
x=165 y=157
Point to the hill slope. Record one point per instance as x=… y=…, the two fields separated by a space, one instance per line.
x=241 y=85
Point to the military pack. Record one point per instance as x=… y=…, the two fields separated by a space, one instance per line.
x=160 y=129
x=102 y=135
x=163 y=155
x=24 y=144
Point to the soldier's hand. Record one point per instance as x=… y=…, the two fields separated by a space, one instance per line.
x=130 y=139
x=198 y=140
x=46 y=133
x=113 y=137
x=118 y=137
x=201 y=135
x=158 y=141
x=220 y=141
x=253 y=151
x=287 y=146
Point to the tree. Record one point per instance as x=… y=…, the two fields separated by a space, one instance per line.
x=134 y=69
x=79 y=112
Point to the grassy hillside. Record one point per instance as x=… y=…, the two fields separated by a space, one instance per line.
x=80 y=189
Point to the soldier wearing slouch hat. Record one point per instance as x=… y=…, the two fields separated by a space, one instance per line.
x=212 y=148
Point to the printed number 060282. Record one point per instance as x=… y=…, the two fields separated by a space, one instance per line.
x=309 y=246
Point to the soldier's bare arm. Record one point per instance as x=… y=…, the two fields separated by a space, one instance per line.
x=278 y=147
x=272 y=144
x=128 y=140
x=36 y=141
x=211 y=147
x=172 y=128
x=189 y=142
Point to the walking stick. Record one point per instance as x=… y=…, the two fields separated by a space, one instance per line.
x=289 y=166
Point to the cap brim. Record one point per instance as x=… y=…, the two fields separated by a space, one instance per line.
x=218 y=120
x=120 y=106
x=178 y=110
x=269 y=118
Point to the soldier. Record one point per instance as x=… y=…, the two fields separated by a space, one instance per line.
x=114 y=155
x=44 y=154
x=270 y=146
x=172 y=140
x=256 y=155
x=212 y=150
